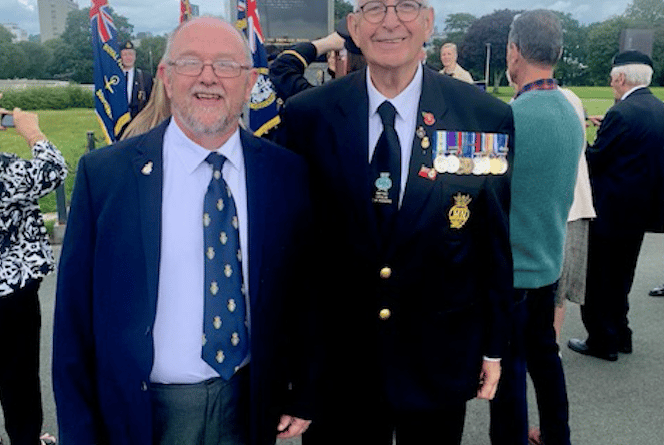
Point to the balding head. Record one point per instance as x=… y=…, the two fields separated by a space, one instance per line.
x=208 y=77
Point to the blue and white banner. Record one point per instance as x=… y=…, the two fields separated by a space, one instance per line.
x=110 y=86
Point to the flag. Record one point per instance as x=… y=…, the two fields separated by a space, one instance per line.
x=263 y=112
x=185 y=10
x=110 y=86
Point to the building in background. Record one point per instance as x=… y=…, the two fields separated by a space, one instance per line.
x=53 y=17
x=20 y=35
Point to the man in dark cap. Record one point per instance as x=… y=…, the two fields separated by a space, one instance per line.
x=625 y=165
x=139 y=83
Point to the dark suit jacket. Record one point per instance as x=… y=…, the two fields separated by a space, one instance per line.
x=450 y=289
x=141 y=92
x=626 y=165
x=107 y=289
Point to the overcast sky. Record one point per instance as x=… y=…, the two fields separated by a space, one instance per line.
x=161 y=16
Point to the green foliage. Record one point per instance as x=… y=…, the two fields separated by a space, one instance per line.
x=646 y=11
x=603 y=43
x=433 y=55
x=570 y=70
x=48 y=98
x=37 y=60
x=5 y=35
x=456 y=26
x=341 y=9
x=150 y=52
x=11 y=58
x=492 y=29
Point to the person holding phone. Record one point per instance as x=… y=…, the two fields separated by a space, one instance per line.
x=25 y=259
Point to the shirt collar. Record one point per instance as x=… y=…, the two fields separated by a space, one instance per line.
x=631 y=91
x=192 y=155
x=541 y=84
x=402 y=101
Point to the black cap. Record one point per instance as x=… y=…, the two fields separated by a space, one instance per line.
x=342 y=30
x=127 y=45
x=631 y=57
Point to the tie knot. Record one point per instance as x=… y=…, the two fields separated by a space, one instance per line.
x=387 y=114
x=216 y=160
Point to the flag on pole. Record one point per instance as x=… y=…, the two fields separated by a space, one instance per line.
x=185 y=10
x=263 y=112
x=110 y=86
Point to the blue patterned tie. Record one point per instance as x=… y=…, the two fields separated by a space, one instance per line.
x=225 y=333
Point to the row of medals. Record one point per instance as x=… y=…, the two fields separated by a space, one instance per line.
x=479 y=165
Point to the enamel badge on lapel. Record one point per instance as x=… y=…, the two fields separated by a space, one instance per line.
x=428 y=173
x=147 y=168
x=428 y=118
x=459 y=213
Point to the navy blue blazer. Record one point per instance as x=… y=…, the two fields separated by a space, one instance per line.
x=108 y=281
x=626 y=164
x=449 y=290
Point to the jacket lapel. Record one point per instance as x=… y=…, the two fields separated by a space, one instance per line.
x=148 y=170
x=353 y=150
x=259 y=194
x=430 y=117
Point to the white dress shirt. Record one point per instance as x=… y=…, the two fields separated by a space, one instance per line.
x=129 y=74
x=406 y=103
x=178 y=328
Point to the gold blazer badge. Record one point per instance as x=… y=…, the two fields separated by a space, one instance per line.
x=459 y=213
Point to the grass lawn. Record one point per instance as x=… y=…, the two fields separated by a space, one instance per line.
x=67 y=129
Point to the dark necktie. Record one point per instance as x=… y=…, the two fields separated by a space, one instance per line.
x=225 y=333
x=386 y=171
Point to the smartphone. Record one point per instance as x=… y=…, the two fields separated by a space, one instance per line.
x=7 y=120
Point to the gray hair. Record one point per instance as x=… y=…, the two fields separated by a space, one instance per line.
x=425 y=3
x=538 y=35
x=450 y=45
x=245 y=44
x=636 y=74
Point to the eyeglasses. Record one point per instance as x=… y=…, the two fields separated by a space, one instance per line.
x=375 y=11
x=221 y=68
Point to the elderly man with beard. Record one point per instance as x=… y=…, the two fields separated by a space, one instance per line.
x=177 y=300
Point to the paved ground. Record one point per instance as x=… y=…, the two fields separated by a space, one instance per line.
x=611 y=403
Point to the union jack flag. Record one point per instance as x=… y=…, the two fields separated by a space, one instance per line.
x=102 y=20
x=110 y=86
x=263 y=112
x=185 y=10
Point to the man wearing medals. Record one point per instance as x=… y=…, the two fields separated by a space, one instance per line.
x=549 y=139
x=415 y=264
x=626 y=163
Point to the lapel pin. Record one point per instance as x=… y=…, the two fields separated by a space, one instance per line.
x=428 y=118
x=147 y=168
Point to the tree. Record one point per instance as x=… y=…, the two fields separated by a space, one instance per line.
x=150 y=52
x=433 y=55
x=489 y=29
x=602 y=44
x=75 y=61
x=37 y=60
x=341 y=9
x=5 y=35
x=571 y=69
x=12 y=59
x=650 y=12
x=456 y=26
